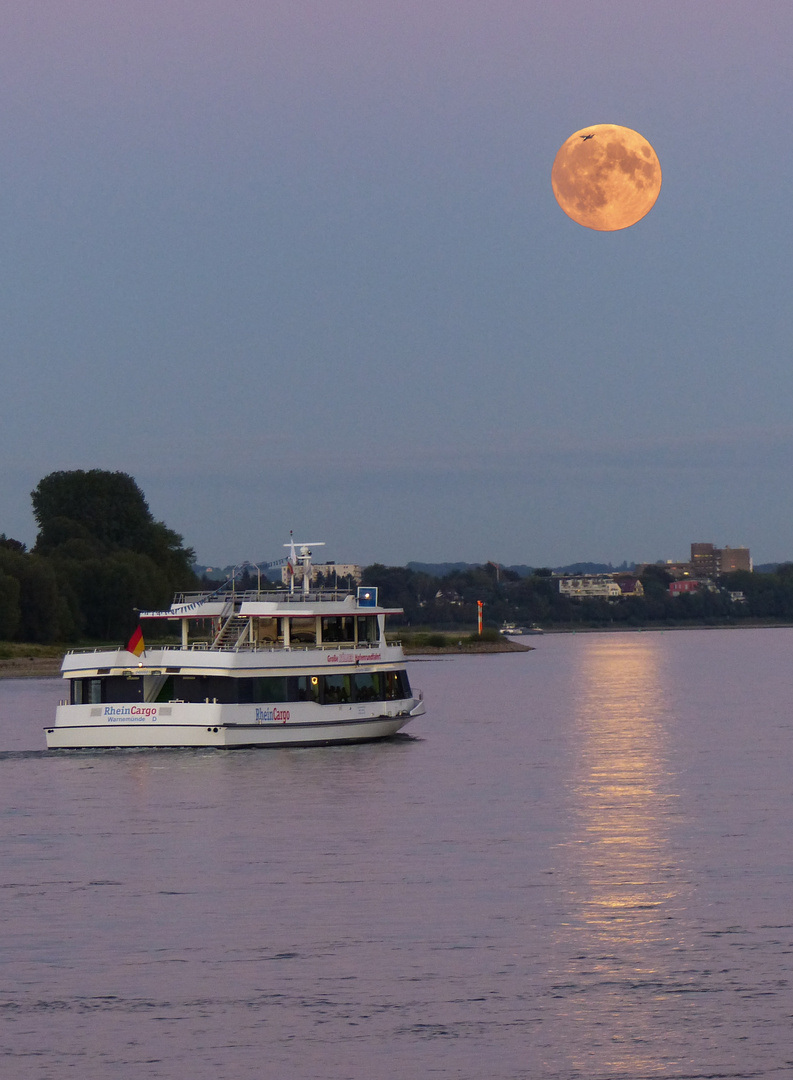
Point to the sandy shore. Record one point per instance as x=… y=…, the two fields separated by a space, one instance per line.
x=30 y=667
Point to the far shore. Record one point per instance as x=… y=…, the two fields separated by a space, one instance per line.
x=30 y=667
x=467 y=647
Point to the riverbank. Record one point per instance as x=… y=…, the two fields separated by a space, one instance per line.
x=30 y=667
x=504 y=646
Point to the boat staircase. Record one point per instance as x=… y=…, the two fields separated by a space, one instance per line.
x=231 y=632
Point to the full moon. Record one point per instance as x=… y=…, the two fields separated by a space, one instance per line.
x=606 y=177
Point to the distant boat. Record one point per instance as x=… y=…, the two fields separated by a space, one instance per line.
x=513 y=630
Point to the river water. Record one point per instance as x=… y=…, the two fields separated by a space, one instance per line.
x=578 y=864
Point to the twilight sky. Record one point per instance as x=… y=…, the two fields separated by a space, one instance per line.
x=298 y=264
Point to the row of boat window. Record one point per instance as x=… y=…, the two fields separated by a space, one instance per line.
x=335 y=629
x=330 y=689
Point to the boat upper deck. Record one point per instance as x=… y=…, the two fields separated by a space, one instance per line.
x=337 y=626
x=268 y=603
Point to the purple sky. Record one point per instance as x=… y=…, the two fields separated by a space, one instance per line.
x=299 y=265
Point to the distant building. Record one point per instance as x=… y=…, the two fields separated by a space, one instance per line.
x=594 y=585
x=629 y=584
x=710 y=561
x=673 y=569
x=330 y=573
x=705 y=561
x=682 y=586
x=602 y=586
x=735 y=559
x=677 y=570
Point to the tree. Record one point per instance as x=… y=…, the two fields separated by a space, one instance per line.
x=401 y=587
x=10 y=544
x=107 y=555
x=109 y=513
x=39 y=602
x=9 y=607
x=108 y=507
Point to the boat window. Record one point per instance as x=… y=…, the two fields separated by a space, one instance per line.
x=330 y=689
x=367 y=628
x=187 y=688
x=397 y=685
x=198 y=688
x=306 y=688
x=303 y=631
x=338 y=628
x=367 y=686
x=269 y=688
x=122 y=688
x=88 y=691
x=266 y=631
x=337 y=689
x=165 y=692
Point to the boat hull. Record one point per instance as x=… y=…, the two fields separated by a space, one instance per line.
x=76 y=729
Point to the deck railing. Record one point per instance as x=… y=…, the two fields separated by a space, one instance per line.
x=281 y=596
x=203 y=646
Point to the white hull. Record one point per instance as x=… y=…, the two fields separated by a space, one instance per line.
x=76 y=729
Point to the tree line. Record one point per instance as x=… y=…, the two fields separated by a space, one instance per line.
x=450 y=602
x=99 y=555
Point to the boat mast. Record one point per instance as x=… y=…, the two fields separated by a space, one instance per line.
x=304 y=559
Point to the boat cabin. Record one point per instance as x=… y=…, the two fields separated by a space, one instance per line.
x=248 y=621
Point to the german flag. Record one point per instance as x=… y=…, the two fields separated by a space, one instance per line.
x=135 y=644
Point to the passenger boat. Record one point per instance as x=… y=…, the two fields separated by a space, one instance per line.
x=254 y=668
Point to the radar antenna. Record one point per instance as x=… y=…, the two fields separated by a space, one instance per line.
x=301 y=557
